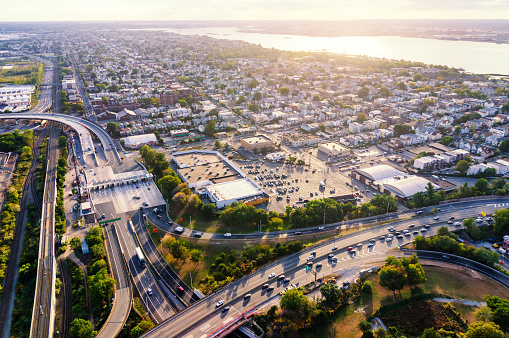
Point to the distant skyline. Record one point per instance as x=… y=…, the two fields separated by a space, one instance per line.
x=95 y=10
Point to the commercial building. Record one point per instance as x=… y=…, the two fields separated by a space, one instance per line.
x=302 y=140
x=216 y=178
x=278 y=156
x=333 y=149
x=138 y=141
x=15 y=96
x=392 y=182
x=256 y=142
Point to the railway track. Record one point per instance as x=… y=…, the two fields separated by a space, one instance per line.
x=43 y=314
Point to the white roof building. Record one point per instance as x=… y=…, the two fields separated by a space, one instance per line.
x=407 y=187
x=137 y=141
x=224 y=194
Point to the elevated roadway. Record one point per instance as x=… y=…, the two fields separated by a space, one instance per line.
x=203 y=318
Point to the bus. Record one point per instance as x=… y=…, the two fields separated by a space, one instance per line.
x=141 y=258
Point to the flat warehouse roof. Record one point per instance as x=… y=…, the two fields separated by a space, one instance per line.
x=257 y=139
x=237 y=189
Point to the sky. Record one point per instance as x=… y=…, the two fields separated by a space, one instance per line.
x=107 y=10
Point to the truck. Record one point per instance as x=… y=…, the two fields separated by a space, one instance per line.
x=155 y=210
x=322 y=184
x=141 y=258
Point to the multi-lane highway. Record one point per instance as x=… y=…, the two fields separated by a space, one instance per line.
x=203 y=317
x=43 y=315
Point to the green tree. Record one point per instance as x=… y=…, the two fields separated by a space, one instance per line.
x=208 y=210
x=484 y=314
x=332 y=294
x=402 y=129
x=257 y=96
x=294 y=300
x=168 y=183
x=415 y=274
x=81 y=328
x=217 y=144
x=504 y=146
x=210 y=128
x=363 y=92
x=196 y=256
x=284 y=91
x=482 y=185
x=500 y=310
x=501 y=225
x=483 y=330
x=430 y=333
x=367 y=287
x=447 y=140
x=364 y=326
x=392 y=277
x=361 y=117
x=75 y=243
x=462 y=166
x=113 y=129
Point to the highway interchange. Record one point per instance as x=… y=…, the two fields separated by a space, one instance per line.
x=202 y=317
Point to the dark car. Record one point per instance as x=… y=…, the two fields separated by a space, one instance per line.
x=225 y=309
x=198 y=234
x=264 y=286
x=270 y=289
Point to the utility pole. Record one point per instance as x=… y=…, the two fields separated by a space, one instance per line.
x=191 y=276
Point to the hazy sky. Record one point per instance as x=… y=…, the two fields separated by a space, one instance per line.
x=72 y=10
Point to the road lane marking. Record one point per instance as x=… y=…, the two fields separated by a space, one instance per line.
x=205 y=327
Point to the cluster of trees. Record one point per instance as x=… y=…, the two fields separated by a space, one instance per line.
x=446 y=241
x=220 y=145
x=25 y=286
x=67 y=106
x=154 y=161
x=22 y=75
x=113 y=129
x=61 y=171
x=480 y=188
x=79 y=303
x=395 y=274
x=298 y=312
x=100 y=284
x=232 y=265
x=185 y=198
x=501 y=225
x=16 y=141
x=11 y=208
x=466 y=118
x=312 y=214
x=181 y=250
x=403 y=129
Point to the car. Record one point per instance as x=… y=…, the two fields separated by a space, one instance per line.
x=321 y=227
x=407 y=233
x=221 y=302
x=390 y=235
x=272 y=275
x=411 y=225
x=270 y=289
x=281 y=277
x=452 y=217
x=415 y=232
x=457 y=223
x=496 y=246
x=334 y=248
x=370 y=245
x=159 y=216
x=286 y=280
x=331 y=256
x=103 y=216
x=181 y=289
x=436 y=218
x=419 y=212
x=247 y=296
x=310 y=264
x=389 y=239
x=227 y=234
x=264 y=286
x=427 y=226
x=149 y=292
x=198 y=234
x=359 y=245
x=318 y=266
x=349 y=248
x=449 y=222
x=225 y=309
x=372 y=240
x=423 y=230
x=400 y=236
x=381 y=238
x=310 y=258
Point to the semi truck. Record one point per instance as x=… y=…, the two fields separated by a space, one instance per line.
x=141 y=258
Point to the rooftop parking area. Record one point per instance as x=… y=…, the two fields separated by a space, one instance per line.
x=204 y=166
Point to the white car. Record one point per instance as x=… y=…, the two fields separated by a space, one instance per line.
x=221 y=302
x=272 y=275
x=457 y=224
x=227 y=234
x=321 y=228
x=359 y=245
x=388 y=239
x=310 y=258
x=435 y=218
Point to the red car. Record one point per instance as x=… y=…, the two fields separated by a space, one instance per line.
x=159 y=216
x=349 y=248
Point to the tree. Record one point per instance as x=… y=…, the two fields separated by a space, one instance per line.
x=317 y=98
x=482 y=185
x=208 y=210
x=417 y=77
x=392 y=277
x=363 y=92
x=500 y=309
x=81 y=328
x=447 y=140
x=322 y=128
x=257 y=96
x=75 y=243
x=462 y=166
x=504 y=146
x=483 y=330
x=367 y=287
x=415 y=274
x=361 y=118
x=168 y=183
x=430 y=333
x=402 y=129
x=217 y=144
x=210 y=128
x=294 y=300
x=180 y=198
x=364 y=326
x=501 y=225
x=276 y=223
x=196 y=256
x=113 y=129
x=253 y=107
x=284 y=91
x=332 y=294
x=484 y=314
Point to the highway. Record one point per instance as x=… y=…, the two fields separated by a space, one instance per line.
x=203 y=318
x=43 y=315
